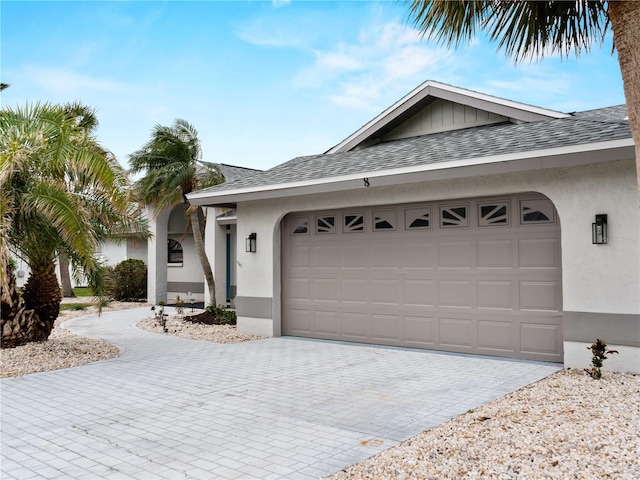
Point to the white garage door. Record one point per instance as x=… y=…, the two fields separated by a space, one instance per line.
x=476 y=276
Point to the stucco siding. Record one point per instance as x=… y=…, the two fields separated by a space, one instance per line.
x=596 y=278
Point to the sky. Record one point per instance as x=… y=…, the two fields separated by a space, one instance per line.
x=262 y=81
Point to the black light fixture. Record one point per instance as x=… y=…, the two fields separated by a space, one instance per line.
x=251 y=243
x=599 y=230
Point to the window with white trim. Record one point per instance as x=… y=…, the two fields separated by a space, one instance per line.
x=454 y=216
x=353 y=223
x=325 y=225
x=384 y=220
x=174 y=252
x=301 y=227
x=493 y=214
x=417 y=218
x=538 y=210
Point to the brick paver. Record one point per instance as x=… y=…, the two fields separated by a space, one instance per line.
x=276 y=408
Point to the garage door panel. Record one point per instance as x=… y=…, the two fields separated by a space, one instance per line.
x=420 y=331
x=385 y=256
x=495 y=294
x=299 y=321
x=471 y=286
x=419 y=292
x=497 y=335
x=354 y=257
x=455 y=293
x=354 y=290
x=325 y=256
x=386 y=329
x=385 y=292
x=456 y=332
x=539 y=296
x=356 y=326
x=419 y=255
x=455 y=254
x=325 y=290
x=299 y=289
x=495 y=253
x=540 y=338
x=300 y=257
x=538 y=253
x=327 y=323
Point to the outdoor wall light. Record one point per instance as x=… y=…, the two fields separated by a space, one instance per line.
x=251 y=243
x=599 y=230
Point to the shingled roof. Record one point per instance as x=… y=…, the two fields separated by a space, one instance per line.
x=581 y=128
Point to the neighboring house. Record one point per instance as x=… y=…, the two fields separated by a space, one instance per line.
x=453 y=221
x=111 y=253
x=174 y=266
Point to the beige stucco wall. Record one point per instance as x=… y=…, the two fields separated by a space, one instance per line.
x=596 y=278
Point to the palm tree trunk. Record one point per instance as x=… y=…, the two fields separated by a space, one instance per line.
x=17 y=323
x=204 y=261
x=65 y=277
x=625 y=18
x=42 y=294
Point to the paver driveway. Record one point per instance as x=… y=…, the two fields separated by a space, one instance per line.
x=170 y=408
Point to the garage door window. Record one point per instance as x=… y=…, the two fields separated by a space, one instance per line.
x=492 y=214
x=384 y=220
x=417 y=218
x=325 y=225
x=302 y=227
x=536 y=211
x=452 y=217
x=353 y=223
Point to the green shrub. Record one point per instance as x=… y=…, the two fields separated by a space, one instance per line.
x=128 y=281
x=223 y=314
x=74 y=306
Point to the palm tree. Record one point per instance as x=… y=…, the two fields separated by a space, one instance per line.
x=172 y=164
x=528 y=29
x=61 y=192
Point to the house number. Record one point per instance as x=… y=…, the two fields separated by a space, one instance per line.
x=366 y=182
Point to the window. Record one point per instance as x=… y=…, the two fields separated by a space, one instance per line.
x=174 y=254
x=353 y=223
x=451 y=217
x=492 y=214
x=302 y=227
x=385 y=220
x=325 y=225
x=538 y=210
x=417 y=218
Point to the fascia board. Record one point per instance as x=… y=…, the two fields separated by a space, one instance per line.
x=506 y=108
x=497 y=164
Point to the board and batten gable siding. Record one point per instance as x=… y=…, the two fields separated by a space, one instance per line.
x=441 y=116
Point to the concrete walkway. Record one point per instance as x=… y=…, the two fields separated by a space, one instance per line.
x=170 y=408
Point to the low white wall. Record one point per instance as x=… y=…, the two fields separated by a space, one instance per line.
x=578 y=355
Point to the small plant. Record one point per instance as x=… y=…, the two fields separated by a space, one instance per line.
x=599 y=355
x=179 y=305
x=226 y=316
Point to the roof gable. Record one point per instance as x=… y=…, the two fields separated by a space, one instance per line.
x=436 y=107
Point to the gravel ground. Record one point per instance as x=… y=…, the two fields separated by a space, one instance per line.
x=177 y=326
x=567 y=426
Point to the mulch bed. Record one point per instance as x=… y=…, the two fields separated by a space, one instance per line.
x=206 y=318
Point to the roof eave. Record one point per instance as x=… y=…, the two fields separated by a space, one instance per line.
x=559 y=157
x=507 y=108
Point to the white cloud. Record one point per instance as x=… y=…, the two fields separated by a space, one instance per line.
x=379 y=64
x=280 y=3
x=63 y=83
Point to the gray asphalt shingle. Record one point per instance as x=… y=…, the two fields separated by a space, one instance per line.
x=581 y=128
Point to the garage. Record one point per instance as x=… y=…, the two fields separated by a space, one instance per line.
x=478 y=276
